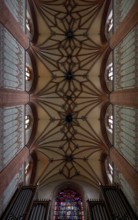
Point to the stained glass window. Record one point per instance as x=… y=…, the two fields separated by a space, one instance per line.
x=68 y=206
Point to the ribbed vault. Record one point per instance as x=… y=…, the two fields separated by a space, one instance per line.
x=70 y=50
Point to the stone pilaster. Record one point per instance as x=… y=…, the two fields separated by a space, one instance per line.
x=129 y=173
x=9 y=97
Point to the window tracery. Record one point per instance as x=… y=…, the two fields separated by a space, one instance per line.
x=68 y=205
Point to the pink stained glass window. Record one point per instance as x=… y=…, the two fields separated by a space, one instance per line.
x=68 y=205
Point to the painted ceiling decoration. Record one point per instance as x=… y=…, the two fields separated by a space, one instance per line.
x=72 y=53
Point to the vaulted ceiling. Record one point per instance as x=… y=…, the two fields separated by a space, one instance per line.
x=69 y=50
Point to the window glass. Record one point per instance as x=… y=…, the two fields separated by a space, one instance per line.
x=110 y=72
x=28 y=25
x=27 y=121
x=28 y=73
x=110 y=123
x=110 y=21
x=68 y=205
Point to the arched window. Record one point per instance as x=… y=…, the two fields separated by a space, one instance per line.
x=27 y=168
x=68 y=205
x=109 y=169
x=28 y=26
x=108 y=69
x=27 y=73
x=110 y=21
x=110 y=72
x=110 y=123
x=27 y=121
x=110 y=172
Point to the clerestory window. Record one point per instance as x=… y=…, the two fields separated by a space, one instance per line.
x=27 y=121
x=28 y=26
x=27 y=73
x=110 y=73
x=110 y=21
x=110 y=123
